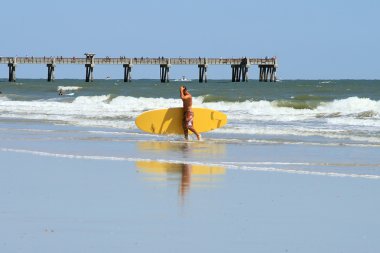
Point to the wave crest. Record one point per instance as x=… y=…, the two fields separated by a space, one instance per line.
x=296 y=104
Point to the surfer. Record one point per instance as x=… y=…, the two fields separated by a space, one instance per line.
x=188 y=114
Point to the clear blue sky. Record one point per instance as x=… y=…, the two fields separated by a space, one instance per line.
x=324 y=39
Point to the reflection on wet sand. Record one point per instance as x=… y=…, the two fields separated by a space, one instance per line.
x=186 y=174
x=185 y=180
x=183 y=146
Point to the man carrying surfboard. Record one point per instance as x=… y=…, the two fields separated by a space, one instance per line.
x=188 y=114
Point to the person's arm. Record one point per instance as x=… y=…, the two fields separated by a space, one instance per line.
x=181 y=92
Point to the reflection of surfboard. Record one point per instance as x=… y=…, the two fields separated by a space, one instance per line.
x=203 y=148
x=169 y=121
x=172 y=168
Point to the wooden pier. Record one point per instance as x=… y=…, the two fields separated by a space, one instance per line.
x=267 y=66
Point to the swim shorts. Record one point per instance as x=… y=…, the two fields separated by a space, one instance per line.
x=188 y=117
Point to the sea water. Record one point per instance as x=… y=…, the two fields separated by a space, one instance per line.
x=296 y=125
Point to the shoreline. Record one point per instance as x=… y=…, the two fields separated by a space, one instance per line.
x=65 y=141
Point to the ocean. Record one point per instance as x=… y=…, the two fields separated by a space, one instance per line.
x=334 y=114
x=339 y=112
x=296 y=168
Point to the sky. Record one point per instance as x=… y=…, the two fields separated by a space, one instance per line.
x=324 y=39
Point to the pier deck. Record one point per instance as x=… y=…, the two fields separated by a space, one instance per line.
x=239 y=66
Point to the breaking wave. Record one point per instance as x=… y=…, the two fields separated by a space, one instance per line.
x=249 y=117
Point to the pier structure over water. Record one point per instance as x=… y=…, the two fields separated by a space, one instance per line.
x=239 y=66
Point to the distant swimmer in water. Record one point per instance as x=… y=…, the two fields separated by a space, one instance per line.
x=60 y=92
x=188 y=114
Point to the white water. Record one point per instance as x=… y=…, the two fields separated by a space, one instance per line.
x=353 y=118
x=256 y=167
x=68 y=88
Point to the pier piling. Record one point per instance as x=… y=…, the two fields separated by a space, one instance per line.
x=127 y=72
x=164 y=72
x=267 y=72
x=12 y=72
x=202 y=73
x=51 y=76
x=89 y=73
x=240 y=71
x=90 y=64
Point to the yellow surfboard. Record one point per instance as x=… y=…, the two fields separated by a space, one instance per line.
x=169 y=121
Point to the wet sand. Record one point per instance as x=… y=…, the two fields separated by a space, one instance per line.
x=55 y=204
x=72 y=189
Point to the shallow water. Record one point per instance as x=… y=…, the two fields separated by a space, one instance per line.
x=343 y=112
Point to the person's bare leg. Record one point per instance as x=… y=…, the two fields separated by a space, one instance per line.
x=196 y=133
x=186 y=133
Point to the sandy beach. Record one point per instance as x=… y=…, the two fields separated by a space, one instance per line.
x=72 y=189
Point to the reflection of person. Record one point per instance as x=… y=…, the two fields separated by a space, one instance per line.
x=188 y=114
x=185 y=179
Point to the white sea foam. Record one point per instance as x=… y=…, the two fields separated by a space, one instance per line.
x=231 y=166
x=68 y=88
x=304 y=164
x=104 y=104
x=311 y=173
x=352 y=105
x=336 y=119
x=3 y=98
